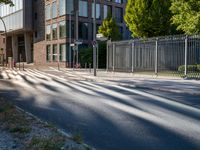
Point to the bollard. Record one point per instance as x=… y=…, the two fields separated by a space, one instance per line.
x=58 y=66
x=90 y=67
x=85 y=66
x=23 y=66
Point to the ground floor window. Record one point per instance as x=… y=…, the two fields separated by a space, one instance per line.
x=63 y=53
x=55 y=53
x=48 y=53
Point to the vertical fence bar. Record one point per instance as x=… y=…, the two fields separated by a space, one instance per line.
x=113 y=56
x=156 y=57
x=186 y=51
x=132 y=49
x=107 y=57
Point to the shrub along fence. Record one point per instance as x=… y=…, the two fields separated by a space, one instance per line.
x=171 y=55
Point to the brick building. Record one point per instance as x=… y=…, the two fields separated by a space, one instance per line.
x=41 y=34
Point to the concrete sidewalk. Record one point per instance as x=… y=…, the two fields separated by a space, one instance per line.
x=160 y=83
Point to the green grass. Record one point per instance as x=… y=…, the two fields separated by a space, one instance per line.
x=77 y=138
x=52 y=143
x=21 y=129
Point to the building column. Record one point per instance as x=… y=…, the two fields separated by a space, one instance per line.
x=15 y=48
x=27 y=42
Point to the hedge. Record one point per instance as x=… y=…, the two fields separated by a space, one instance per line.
x=189 y=68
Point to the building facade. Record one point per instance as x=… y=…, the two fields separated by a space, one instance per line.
x=18 y=21
x=39 y=30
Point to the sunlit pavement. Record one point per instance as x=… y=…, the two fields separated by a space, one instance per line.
x=108 y=115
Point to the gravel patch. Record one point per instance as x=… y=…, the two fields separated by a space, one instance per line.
x=22 y=131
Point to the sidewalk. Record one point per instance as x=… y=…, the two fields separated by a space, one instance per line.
x=160 y=83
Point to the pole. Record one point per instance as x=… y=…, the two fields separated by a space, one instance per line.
x=70 y=39
x=156 y=58
x=97 y=56
x=186 y=49
x=77 y=36
x=94 y=39
x=5 y=38
x=132 y=49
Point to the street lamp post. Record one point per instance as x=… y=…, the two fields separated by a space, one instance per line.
x=70 y=38
x=94 y=40
x=5 y=36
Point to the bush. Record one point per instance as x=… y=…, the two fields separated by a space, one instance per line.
x=198 y=67
x=189 y=68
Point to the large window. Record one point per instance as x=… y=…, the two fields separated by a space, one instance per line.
x=48 y=12
x=119 y=14
x=12 y=16
x=7 y=9
x=55 y=54
x=54 y=10
x=54 y=31
x=63 y=53
x=107 y=10
x=83 y=30
x=48 y=53
x=83 y=8
x=98 y=11
x=48 y=32
x=62 y=29
x=70 y=6
x=62 y=7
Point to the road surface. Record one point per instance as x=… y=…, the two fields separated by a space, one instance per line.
x=108 y=116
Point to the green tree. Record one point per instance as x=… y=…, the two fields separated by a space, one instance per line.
x=186 y=15
x=147 y=18
x=110 y=29
x=86 y=55
x=6 y=2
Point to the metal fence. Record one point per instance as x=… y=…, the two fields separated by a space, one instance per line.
x=171 y=55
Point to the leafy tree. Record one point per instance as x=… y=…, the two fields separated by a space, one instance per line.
x=6 y=2
x=147 y=18
x=110 y=29
x=186 y=15
x=86 y=55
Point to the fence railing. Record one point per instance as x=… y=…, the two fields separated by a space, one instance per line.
x=171 y=55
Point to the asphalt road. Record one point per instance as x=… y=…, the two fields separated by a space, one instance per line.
x=108 y=116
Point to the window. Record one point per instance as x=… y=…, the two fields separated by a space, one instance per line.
x=119 y=14
x=48 y=53
x=48 y=12
x=54 y=31
x=55 y=54
x=70 y=6
x=83 y=8
x=48 y=32
x=62 y=29
x=107 y=10
x=83 y=30
x=62 y=7
x=63 y=53
x=98 y=11
x=54 y=10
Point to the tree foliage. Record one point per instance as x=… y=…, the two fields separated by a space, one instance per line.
x=147 y=18
x=110 y=29
x=186 y=15
x=6 y=2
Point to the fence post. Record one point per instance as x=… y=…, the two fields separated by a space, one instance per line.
x=186 y=51
x=107 y=51
x=132 y=50
x=156 y=57
x=113 y=56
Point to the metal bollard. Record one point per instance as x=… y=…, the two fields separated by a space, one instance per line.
x=85 y=66
x=90 y=67
x=23 y=67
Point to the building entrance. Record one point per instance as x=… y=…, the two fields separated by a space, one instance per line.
x=21 y=49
